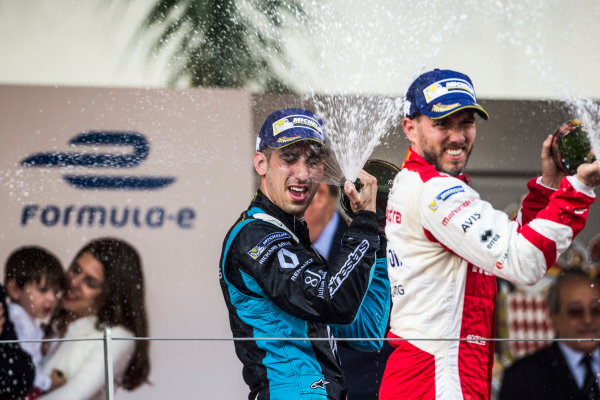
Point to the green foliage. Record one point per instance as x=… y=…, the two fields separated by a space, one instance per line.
x=224 y=43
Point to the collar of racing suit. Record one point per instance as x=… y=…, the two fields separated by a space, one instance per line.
x=297 y=226
x=414 y=162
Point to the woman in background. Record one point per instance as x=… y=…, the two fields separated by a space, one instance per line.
x=105 y=287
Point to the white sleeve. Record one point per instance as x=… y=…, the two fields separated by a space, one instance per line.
x=455 y=216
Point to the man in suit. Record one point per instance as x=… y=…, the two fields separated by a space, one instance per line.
x=559 y=371
x=326 y=224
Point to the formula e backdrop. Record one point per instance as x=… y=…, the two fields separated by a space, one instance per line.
x=169 y=171
x=166 y=170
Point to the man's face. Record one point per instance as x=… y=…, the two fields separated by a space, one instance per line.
x=291 y=176
x=445 y=143
x=578 y=315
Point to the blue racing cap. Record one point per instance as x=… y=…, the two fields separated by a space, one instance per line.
x=290 y=125
x=439 y=93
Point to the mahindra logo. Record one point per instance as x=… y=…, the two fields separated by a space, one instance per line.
x=140 y=149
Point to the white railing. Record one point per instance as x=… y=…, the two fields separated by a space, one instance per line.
x=108 y=339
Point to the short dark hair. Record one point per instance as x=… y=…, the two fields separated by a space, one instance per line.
x=30 y=264
x=267 y=151
x=324 y=151
x=568 y=275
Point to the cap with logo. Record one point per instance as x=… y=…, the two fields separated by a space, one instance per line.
x=290 y=125
x=439 y=93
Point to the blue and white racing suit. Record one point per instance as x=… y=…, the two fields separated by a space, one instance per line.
x=276 y=286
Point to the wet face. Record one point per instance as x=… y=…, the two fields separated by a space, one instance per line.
x=291 y=176
x=85 y=279
x=445 y=143
x=578 y=315
x=38 y=299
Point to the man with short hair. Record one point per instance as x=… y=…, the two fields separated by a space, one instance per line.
x=446 y=245
x=559 y=371
x=277 y=286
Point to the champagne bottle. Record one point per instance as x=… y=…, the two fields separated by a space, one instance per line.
x=385 y=173
x=571 y=146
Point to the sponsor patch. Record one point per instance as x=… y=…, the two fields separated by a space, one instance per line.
x=469 y=223
x=281 y=125
x=493 y=242
x=455 y=211
x=289 y=122
x=393 y=216
x=261 y=246
x=448 y=86
x=307 y=121
x=392 y=259
x=353 y=259
x=486 y=235
x=320 y=384
x=433 y=206
x=485 y=238
x=273 y=249
x=397 y=290
x=440 y=108
x=286 y=139
x=449 y=192
x=500 y=262
x=287 y=259
x=476 y=339
x=299 y=270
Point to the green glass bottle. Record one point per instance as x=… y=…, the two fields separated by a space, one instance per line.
x=385 y=173
x=571 y=146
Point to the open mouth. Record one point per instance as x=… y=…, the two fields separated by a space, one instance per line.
x=454 y=152
x=298 y=192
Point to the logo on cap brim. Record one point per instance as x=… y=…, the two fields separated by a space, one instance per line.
x=281 y=125
x=443 y=110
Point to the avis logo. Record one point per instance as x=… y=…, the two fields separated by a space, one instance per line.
x=140 y=149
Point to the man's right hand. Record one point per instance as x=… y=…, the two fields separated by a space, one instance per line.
x=551 y=174
x=365 y=199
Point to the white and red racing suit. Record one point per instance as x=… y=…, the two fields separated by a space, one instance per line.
x=445 y=247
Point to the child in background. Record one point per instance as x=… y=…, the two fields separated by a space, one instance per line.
x=34 y=279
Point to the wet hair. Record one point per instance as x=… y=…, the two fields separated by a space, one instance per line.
x=267 y=151
x=122 y=302
x=566 y=276
x=33 y=264
x=323 y=151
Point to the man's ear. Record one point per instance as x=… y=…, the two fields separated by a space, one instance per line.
x=12 y=289
x=261 y=164
x=410 y=128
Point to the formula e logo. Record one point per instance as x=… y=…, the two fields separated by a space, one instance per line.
x=139 y=144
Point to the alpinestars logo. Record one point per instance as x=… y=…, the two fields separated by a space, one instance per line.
x=353 y=259
x=320 y=384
